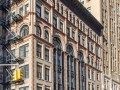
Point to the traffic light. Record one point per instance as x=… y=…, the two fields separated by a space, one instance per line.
x=14 y=75
x=19 y=74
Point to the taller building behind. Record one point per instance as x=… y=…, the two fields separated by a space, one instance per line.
x=108 y=13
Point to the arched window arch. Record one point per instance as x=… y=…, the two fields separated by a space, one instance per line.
x=70 y=50
x=24 y=31
x=71 y=67
x=57 y=43
x=38 y=31
x=46 y=35
x=80 y=56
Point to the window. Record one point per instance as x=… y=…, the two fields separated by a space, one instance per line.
x=92 y=62
x=23 y=51
x=91 y=47
x=97 y=76
x=73 y=34
x=24 y=31
x=92 y=75
x=68 y=31
x=93 y=86
x=38 y=50
x=24 y=88
x=66 y=14
x=39 y=70
x=62 y=10
x=39 y=87
x=46 y=16
x=26 y=8
x=25 y=70
x=61 y=25
x=89 y=86
x=73 y=20
x=70 y=17
x=47 y=88
x=47 y=73
x=58 y=6
x=38 y=31
x=88 y=73
x=98 y=87
x=80 y=56
x=79 y=38
x=55 y=22
x=83 y=41
x=21 y=11
x=38 y=11
x=46 y=36
x=46 y=54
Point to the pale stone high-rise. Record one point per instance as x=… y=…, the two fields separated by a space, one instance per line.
x=60 y=46
x=108 y=13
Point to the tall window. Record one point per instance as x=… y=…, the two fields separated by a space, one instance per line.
x=46 y=36
x=61 y=25
x=24 y=31
x=46 y=15
x=55 y=22
x=58 y=63
x=93 y=86
x=26 y=8
x=73 y=20
x=25 y=70
x=21 y=11
x=39 y=70
x=73 y=34
x=58 y=6
x=89 y=86
x=38 y=31
x=62 y=10
x=70 y=17
x=92 y=75
x=38 y=49
x=88 y=73
x=68 y=31
x=71 y=68
x=46 y=54
x=47 y=73
x=38 y=11
x=66 y=14
x=92 y=61
x=23 y=51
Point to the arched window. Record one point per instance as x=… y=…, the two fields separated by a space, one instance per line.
x=38 y=31
x=58 y=64
x=46 y=36
x=24 y=31
x=80 y=56
x=71 y=67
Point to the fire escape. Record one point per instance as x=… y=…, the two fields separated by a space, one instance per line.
x=6 y=39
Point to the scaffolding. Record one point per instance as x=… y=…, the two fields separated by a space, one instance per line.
x=5 y=40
